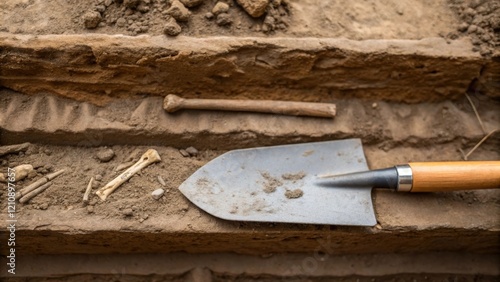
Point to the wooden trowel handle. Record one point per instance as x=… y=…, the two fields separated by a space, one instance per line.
x=173 y=103
x=451 y=176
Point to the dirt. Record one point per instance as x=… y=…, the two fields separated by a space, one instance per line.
x=271 y=183
x=294 y=194
x=294 y=176
x=132 y=200
x=386 y=19
x=311 y=18
x=480 y=21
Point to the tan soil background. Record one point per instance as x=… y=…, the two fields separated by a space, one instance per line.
x=131 y=207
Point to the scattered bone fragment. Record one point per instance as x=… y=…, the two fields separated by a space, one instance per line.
x=157 y=194
x=294 y=194
x=35 y=192
x=87 y=191
x=11 y=149
x=151 y=156
x=162 y=182
x=38 y=183
x=18 y=173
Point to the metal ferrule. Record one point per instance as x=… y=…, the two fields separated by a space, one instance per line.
x=405 y=178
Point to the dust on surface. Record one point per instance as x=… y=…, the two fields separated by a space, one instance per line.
x=131 y=201
x=271 y=183
x=294 y=194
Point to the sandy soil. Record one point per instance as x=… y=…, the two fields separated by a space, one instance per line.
x=387 y=19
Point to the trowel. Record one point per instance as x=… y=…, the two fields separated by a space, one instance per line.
x=318 y=183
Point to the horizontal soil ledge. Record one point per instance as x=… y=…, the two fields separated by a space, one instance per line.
x=223 y=266
x=97 y=68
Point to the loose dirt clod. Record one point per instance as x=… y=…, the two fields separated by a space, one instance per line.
x=219 y=8
x=254 y=8
x=172 y=28
x=151 y=156
x=91 y=19
x=293 y=194
x=224 y=19
x=293 y=176
x=271 y=183
x=191 y=3
x=178 y=11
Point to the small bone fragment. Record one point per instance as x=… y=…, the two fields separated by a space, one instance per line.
x=87 y=191
x=151 y=156
x=162 y=182
x=4 y=150
x=35 y=192
x=38 y=183
x=123 y=166
x=21 y=172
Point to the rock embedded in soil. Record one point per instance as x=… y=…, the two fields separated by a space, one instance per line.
x=91 y=19
x=105 y=155
x=254 y=8
x=191 y=3
x=219 y=8
x=192 y=151
x=178 y=11
x=224 y=19
x=158 y=193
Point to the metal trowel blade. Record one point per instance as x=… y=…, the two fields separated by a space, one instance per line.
x=277 y=184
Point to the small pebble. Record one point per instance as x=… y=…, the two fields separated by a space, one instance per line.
x=209 y=16
x=374 y=105
x=184 y=153
x=108 y=3
x=191 y=3
x=192 y=151
x=178 y=11
x=100 y=8
x=105 y=155
x=98 y=177
x=157 y=194
x=219 y=8
x=47 y=152
x=44 y=206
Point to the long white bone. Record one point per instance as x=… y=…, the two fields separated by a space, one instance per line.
x=151 y=156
